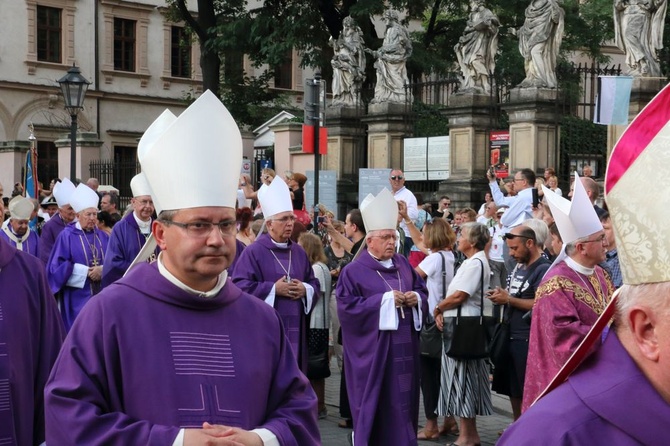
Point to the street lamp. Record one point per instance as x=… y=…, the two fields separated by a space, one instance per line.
x=74 y=86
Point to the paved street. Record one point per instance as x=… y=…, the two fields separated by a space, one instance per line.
x=332 y=435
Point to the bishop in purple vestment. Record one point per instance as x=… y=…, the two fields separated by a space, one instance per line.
x=62 y=191
x=75 y=264
x=381 y=302
x=127 y=238
x=16 y=231
x=278 y=271
x=31 y=333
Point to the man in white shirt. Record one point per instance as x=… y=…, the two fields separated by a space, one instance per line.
x=400 y=192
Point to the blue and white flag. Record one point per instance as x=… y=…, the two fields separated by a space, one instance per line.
x=612 y=100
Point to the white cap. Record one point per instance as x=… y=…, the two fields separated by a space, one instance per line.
x=62 y=191
x=275 y=198
x=21 y=208
x=380 y=212
x=84 y=197
x=575 y=219
x=196 y=161
x=139 y=185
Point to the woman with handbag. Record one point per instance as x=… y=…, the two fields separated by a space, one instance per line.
x=318 y=367
x=464 y=389
x=437 y=269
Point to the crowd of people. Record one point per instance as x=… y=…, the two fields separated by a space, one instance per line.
x=212 y=312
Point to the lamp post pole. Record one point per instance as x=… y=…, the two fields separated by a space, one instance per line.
x=74 y=86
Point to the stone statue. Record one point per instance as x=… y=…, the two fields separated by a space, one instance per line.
x=539 y=42
x=638 y=27
x=476 y=49
x=348 y=64
x=390 y=63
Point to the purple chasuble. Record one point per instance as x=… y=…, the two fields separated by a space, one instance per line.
x=256 y=273
x=382 y=367
x=125 y=243
x=31 y=333
x=146 y=358
x=607 y=400
x=239 y=247
x=75 y=246
x=567 y=304
x=50 y=232
x=30 y=245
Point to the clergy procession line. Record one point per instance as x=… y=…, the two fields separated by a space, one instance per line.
x=198 y=320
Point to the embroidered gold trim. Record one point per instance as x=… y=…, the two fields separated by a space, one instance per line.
x=597 y=303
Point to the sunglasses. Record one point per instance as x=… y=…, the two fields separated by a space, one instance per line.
x=509 y=236
x=397 y=177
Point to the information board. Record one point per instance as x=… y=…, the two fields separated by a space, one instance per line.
x=327 y=190
x=372 y=181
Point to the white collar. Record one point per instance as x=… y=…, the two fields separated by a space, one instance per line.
x=145 y=226
x=181 y=285
x=578 y=267
x=385 y=263
x=279 y=244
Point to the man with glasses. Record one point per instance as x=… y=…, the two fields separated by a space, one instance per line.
x=401 y=193
x=276 y=270
x=572 y=294
x=174 y=353
x=381 y=302
x=62 y=191
x=131 y=233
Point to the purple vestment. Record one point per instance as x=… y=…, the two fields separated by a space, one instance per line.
x=30 y=245
x=31 y=333
x=567 y=304
x=50 y=232
x=146 y=358
x=125 y=243
x=239 y=247
x=75 y=246
x=607 y=401
x=256 y=272
x=382 y=367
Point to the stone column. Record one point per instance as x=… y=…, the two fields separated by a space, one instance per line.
x=642 y=92
x=12 y=159
x=87 y=150
x=534 y=128
x=470 y=119
x=346 y=152
x=388 y=123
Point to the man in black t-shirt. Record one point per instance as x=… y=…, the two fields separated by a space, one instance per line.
x=518 y=299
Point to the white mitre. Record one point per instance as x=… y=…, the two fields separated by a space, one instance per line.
x=21 y=208
x=380 y=212
x=575 y=219
x=84 y=197
x=195 y=161
x=275 y=198
x=63 y=190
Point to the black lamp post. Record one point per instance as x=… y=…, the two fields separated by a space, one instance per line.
x=74 y=86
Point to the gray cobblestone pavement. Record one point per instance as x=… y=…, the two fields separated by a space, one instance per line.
x=332 y=435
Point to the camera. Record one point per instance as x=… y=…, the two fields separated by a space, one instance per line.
x=320 y=219
x=492 y=172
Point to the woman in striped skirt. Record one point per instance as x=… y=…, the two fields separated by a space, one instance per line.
x=464 y=386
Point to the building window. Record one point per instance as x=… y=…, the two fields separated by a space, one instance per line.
x=49 y=31
x=47 y=162
x=181 y=53
x=284 y=73
x=124 y=45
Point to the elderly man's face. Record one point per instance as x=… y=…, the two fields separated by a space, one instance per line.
x=67 y=213
x=88 y=219
x=197 y=260
x=143 y=206
x=397 y=180
x=19 y=227
x=381 y=244
x=280 y=227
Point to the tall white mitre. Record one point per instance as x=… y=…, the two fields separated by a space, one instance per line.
x=275 y=198
x=575 y=219
x=639 y=206
x=63 y=190
x=380 y=212
x=195 y=161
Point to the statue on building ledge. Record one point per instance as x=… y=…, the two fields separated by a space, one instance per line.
x=348 y=65
x=392 y=81
x=540 y=41
x=638 y=28
x=476 y=49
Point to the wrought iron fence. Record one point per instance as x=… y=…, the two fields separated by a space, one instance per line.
x=117 y=174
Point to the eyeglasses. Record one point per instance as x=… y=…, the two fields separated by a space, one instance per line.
x=289 y=218
x=601 y=239
x=519 y=179
x=202 y=229
x=509 y=236
x=145 y=202
x=397 y=177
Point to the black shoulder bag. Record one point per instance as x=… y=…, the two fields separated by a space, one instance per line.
x=431 y=337
x=468 y=337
